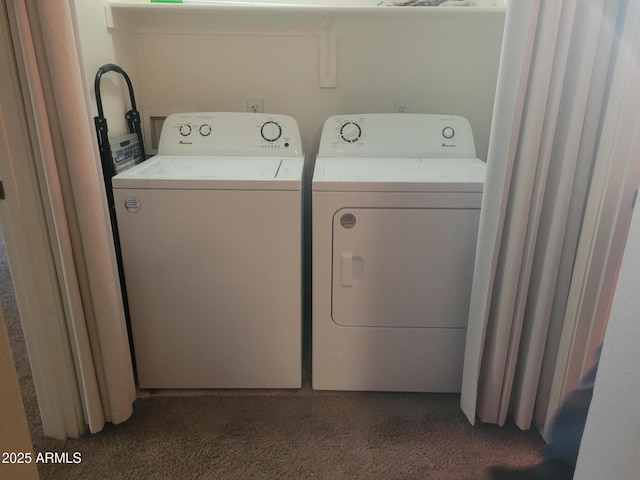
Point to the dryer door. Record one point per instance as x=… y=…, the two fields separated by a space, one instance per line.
x=402 y=267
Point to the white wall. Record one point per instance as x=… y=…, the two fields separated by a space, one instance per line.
x=438 y=60
x=98 y=47
x=611 y=444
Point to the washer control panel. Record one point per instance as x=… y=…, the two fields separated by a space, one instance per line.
x=397 y=135
x=271 y=131
x=230 y=133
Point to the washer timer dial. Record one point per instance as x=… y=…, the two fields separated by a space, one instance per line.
x=350 y=132
x=448 y=132
x=271 y=131
x=185 y=129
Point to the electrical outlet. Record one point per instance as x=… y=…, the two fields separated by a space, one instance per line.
x=401 y=106
x=255 y=105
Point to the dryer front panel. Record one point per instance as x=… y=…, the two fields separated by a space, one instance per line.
x=403 y=267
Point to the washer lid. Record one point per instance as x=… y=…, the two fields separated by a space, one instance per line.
x=399 y=174
x=206 y=172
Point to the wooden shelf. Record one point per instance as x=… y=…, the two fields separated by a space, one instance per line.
x=326 y=23
x=142 y=16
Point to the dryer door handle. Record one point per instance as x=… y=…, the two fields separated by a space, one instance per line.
x=352 y=269
x=347 y=269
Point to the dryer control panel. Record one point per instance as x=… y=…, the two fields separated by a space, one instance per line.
x=230 y=133
x=401 y=135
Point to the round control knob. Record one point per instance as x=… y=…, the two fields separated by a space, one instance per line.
x=271 y=131
x=350 y=132
x=448 y=132
x=205 y=130
x=185 y=130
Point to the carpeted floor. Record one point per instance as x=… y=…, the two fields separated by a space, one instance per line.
x=265 y=435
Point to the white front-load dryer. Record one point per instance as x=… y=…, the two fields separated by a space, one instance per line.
x=395 y=204
x=211 y=231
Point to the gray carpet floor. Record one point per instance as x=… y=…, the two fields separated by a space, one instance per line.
x=301 y=434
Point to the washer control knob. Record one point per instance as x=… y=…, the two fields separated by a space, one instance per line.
x=448 y=132
x=271 y=131
x=205 y=130
x=350 y=132
x=185 y=130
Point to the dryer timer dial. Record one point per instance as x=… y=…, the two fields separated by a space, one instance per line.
x=350 y=132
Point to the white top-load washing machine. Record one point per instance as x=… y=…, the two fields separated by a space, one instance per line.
x=395 y=204
x=211 y=232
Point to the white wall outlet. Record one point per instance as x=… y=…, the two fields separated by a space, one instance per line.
x=401 y=106
x=255 y=105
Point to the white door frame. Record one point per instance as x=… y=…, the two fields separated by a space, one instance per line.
x=23 y=216
x=609 y=210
